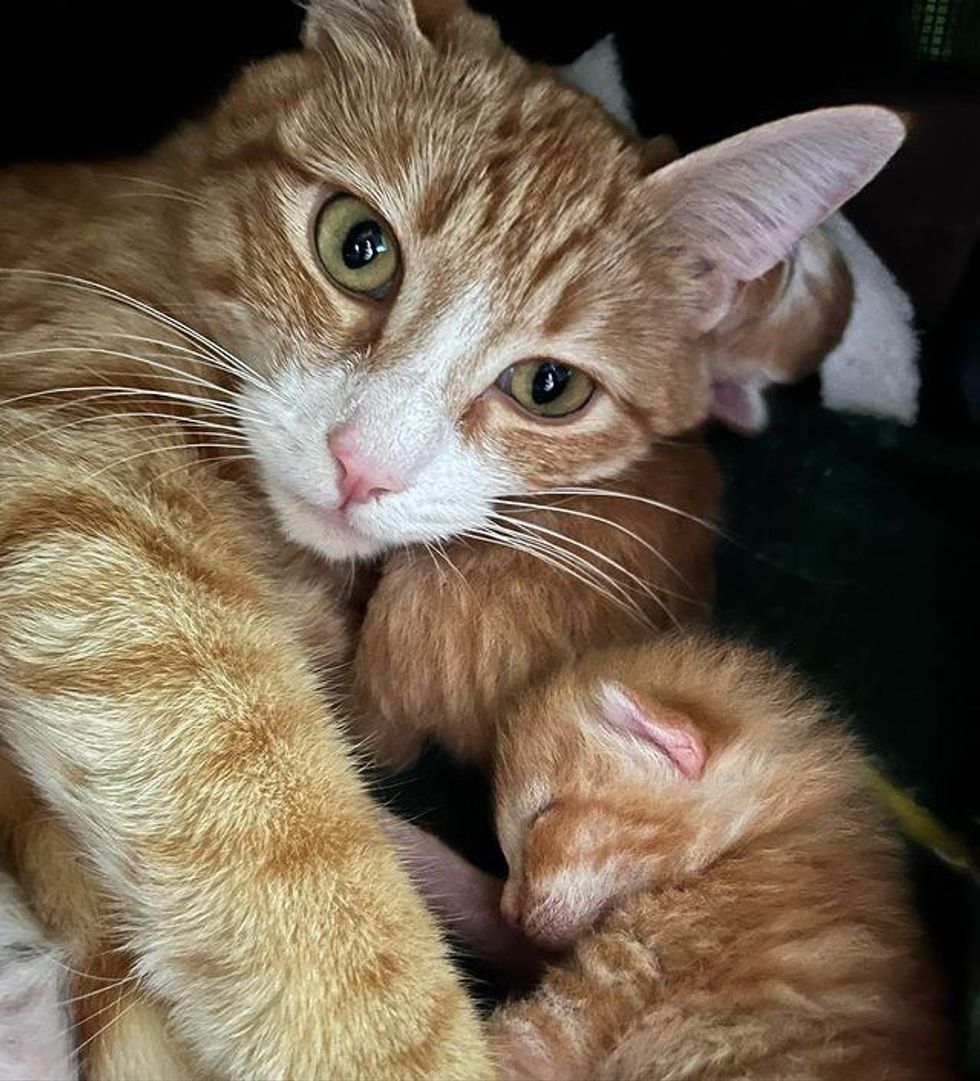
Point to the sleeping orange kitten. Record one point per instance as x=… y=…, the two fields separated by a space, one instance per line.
x=393 y=287
x=698 y=831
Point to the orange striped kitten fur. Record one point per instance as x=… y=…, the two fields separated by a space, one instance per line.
x=697 y=830
x=392 y=282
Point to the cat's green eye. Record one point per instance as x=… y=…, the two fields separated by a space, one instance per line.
x=547 y=388
x=356 y=247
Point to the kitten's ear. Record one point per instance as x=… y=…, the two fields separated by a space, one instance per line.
x=326 y=19
x=738 y=208
x=669 y=731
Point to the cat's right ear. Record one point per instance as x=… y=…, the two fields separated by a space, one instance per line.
x=385 y=19
x=668 y=732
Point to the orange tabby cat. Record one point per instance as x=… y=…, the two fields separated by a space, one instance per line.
x=700 y=833
x=389 y=283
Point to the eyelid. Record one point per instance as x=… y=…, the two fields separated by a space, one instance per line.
x=499 y=394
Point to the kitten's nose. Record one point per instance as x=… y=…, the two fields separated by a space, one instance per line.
x=360 y=477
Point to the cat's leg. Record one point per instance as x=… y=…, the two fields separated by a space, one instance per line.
x=111 y=1025
x=162 y=708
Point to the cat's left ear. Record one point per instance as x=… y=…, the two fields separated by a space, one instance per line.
x=736 y=210
x=739 y=208
x=388 y=19
x=670 y=732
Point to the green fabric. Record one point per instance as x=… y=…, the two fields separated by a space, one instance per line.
x=853 y=553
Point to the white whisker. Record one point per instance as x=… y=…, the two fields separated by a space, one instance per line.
x=152 y=362
x=220 y=460
x=71 y=281
x=524 y=544
x=149 y=182
x=47 y=433
x=160 y=450
x=652 y=549
x=134 y=997
x=610 y=493
x=585 y=564
x=641 y=583
x=108 y=390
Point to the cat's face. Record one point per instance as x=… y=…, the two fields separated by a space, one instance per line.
x=491 y=349
x=444 y=269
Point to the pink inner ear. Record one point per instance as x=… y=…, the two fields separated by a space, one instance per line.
x=669 y=730
x=741 y=406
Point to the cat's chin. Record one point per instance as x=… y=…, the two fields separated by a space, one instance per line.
x=324 y=531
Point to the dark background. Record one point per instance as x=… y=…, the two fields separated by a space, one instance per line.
x=853 y=543
x=111 y=76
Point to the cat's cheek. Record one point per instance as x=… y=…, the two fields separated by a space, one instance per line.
x=539 y=454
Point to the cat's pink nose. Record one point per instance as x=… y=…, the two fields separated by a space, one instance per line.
x=360 y=478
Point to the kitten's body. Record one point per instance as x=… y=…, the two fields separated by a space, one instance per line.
x=736 y=905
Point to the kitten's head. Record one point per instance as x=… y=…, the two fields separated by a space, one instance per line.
x=457 y=278
x=646 y=765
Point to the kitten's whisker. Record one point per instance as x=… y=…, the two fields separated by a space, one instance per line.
x=193 y=462
x=172 y=347
x=94 y=418
x=587 y=567
x=62 y=964
x=440 y=547
x=430 y=551
x=521 y=527
x=12 y=420
x=154 y=195
x=149 y=182
x=642 y=584
x=108 y=390
x=652 y=549
x=164 y=448
x=117 y=982
x=114 y=983
x=178 y=374
x=134 y=997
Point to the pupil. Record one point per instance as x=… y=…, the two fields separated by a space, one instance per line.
x=363 y=243
x=550 y=381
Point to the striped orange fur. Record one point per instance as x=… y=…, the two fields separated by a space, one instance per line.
x=752 y=919
x=174 y=545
